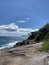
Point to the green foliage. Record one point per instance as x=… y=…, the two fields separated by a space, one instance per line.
x=45 y=46
x=47 y=36
x=40 y=35
x=32 y=35
x=43 y=33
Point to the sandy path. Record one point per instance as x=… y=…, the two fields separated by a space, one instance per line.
x=25 y=55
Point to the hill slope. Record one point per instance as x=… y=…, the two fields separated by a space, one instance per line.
x=41 y=35
x=38 y=36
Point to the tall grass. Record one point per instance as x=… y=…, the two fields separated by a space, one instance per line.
x=45 y=46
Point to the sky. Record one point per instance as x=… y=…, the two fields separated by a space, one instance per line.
x=23 y=15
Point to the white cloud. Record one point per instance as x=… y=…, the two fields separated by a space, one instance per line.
x=21 y=21
x=14 y=30
x=11 y=26
x=24 y=20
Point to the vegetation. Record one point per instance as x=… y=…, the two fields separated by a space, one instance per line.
x=45 y=46
x=32 y=35
x=47 y=36
x=41 y=35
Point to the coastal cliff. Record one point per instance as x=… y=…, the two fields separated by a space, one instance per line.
x=24 y=55
x=26 y=52
x=41 y=35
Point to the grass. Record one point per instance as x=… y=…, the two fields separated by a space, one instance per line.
x=45 y=47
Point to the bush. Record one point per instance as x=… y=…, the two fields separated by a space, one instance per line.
x=45 y=46
x=42 y=33
x=47 y=36
x=32 y=35
x=39 y=37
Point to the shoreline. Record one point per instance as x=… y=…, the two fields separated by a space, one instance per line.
x=9 y=45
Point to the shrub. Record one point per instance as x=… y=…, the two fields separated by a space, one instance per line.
x=45 y=46
x=47 y=36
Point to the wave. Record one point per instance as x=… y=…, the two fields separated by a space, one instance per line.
x=11 y=44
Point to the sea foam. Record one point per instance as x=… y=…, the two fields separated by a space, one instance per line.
x=11 y=44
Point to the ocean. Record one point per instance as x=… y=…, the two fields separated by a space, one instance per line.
x=9 y=41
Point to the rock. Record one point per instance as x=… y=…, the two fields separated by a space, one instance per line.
x=25 y=42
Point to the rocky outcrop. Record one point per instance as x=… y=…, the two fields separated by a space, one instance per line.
x=25 y=42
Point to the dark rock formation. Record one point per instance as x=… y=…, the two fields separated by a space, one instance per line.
x=25 y=42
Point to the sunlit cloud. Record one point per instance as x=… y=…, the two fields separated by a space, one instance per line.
x=21 y=21
x=14 y=30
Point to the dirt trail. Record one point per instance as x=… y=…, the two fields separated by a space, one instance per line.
x=24 y=55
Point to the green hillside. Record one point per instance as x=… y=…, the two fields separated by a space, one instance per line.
x=41 y=35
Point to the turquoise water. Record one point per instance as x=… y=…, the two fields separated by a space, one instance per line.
x=9 y=41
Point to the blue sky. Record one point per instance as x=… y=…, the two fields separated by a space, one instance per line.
x=24 y=13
